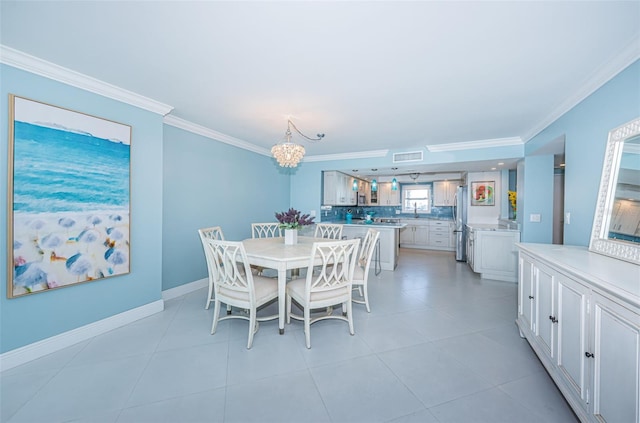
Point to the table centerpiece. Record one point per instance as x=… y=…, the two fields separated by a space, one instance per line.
x=291 y=221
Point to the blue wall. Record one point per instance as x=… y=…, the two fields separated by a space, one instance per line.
x=181 y=181
x=31 y=318
x=538 y=171
x=586 y=128
x=209 y=183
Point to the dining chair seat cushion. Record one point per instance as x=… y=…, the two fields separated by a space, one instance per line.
x=358 y=273
x=296 y=290
x=265 y=289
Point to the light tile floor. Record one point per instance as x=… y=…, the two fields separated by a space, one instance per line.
x=440 y=345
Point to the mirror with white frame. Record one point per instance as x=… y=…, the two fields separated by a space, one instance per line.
x=616 y=225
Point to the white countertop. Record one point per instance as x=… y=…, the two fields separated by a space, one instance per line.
x=489 y=227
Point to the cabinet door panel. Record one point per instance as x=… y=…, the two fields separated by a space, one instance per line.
x=545 y=326
x=525 y=291
x=572 y=343
x=616 y=395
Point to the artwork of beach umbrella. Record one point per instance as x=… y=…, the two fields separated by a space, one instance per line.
x=115 y=233
x=88 y=236
x=115 y=256
x=37 y=224
x=67 y=223
x=94 y=220
x=29 y=275
x=115 y=217
x=79 y=264
x=50 y=241
x=16 y=244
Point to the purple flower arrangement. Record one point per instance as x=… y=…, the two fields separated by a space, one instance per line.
x=293 y=219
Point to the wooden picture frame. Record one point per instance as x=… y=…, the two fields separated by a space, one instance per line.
x=68 y=197
x=483 y=193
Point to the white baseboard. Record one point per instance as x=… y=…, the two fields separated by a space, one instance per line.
x=181 y=290
x=14 y=358
x=55 y=343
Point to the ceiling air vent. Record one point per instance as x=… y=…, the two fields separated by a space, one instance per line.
x=413 y=156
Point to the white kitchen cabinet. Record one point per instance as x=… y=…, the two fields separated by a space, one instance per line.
x=492 y=252
x=444 y=192
x=440 y=235
x=387 y=196
x=415 y=234
x=338 y=189
x=580 y=311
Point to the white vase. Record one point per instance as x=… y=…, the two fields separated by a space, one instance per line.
x=290 y=236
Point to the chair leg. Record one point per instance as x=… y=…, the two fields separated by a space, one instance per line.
x=307 y=326
x=252 y=327
x=209 y=299
x=216 y=313
x=288 y=309
x=350 y=317
x=366 y=298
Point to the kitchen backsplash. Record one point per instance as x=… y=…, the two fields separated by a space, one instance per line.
x=338 y=213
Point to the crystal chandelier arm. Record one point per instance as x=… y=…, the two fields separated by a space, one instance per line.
x=291 y=124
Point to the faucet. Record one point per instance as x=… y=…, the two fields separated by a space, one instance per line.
x=415 y=210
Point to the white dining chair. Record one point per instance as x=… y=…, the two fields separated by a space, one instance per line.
x=214 y=232
x=328 y=230
x=361 y=271
x=330 y=286
x=236 y=286
x=266 y=230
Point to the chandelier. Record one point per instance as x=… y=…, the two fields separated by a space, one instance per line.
x=288 y=153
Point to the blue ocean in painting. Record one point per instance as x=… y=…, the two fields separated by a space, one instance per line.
x=57 y=170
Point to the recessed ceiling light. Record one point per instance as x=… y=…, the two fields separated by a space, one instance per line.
x=374 y=170
x=501 y=164
x=493 y=168
x=354 y=170
x=394 y=168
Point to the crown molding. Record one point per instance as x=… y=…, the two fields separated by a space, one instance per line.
x=346 y=156
x=628 y=54
x=471 y=145
x=214 y=135
x=20 y=60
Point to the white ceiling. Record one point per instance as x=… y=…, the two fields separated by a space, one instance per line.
x=370 y=75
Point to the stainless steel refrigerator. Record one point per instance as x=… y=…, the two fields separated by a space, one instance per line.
x=460 y=214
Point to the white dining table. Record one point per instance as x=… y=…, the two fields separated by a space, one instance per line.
x=273 y=253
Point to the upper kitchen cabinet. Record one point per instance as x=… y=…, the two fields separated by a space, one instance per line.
x=338 y=189
x=444 y=192
x=387 y=196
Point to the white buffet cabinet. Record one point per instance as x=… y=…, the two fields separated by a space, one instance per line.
x=580 y=311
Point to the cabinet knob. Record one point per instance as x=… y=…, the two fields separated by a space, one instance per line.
x=589 y=355
x=531 y=297
x=553 y=319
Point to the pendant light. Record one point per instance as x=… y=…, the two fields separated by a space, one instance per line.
x=355 y=185
x=287 y=152
x=374 y=185
x=394 y=184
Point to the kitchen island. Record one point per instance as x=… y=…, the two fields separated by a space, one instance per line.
x=492 y=252
x=388 y=241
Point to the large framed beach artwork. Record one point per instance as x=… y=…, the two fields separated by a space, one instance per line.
x=68 y=197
